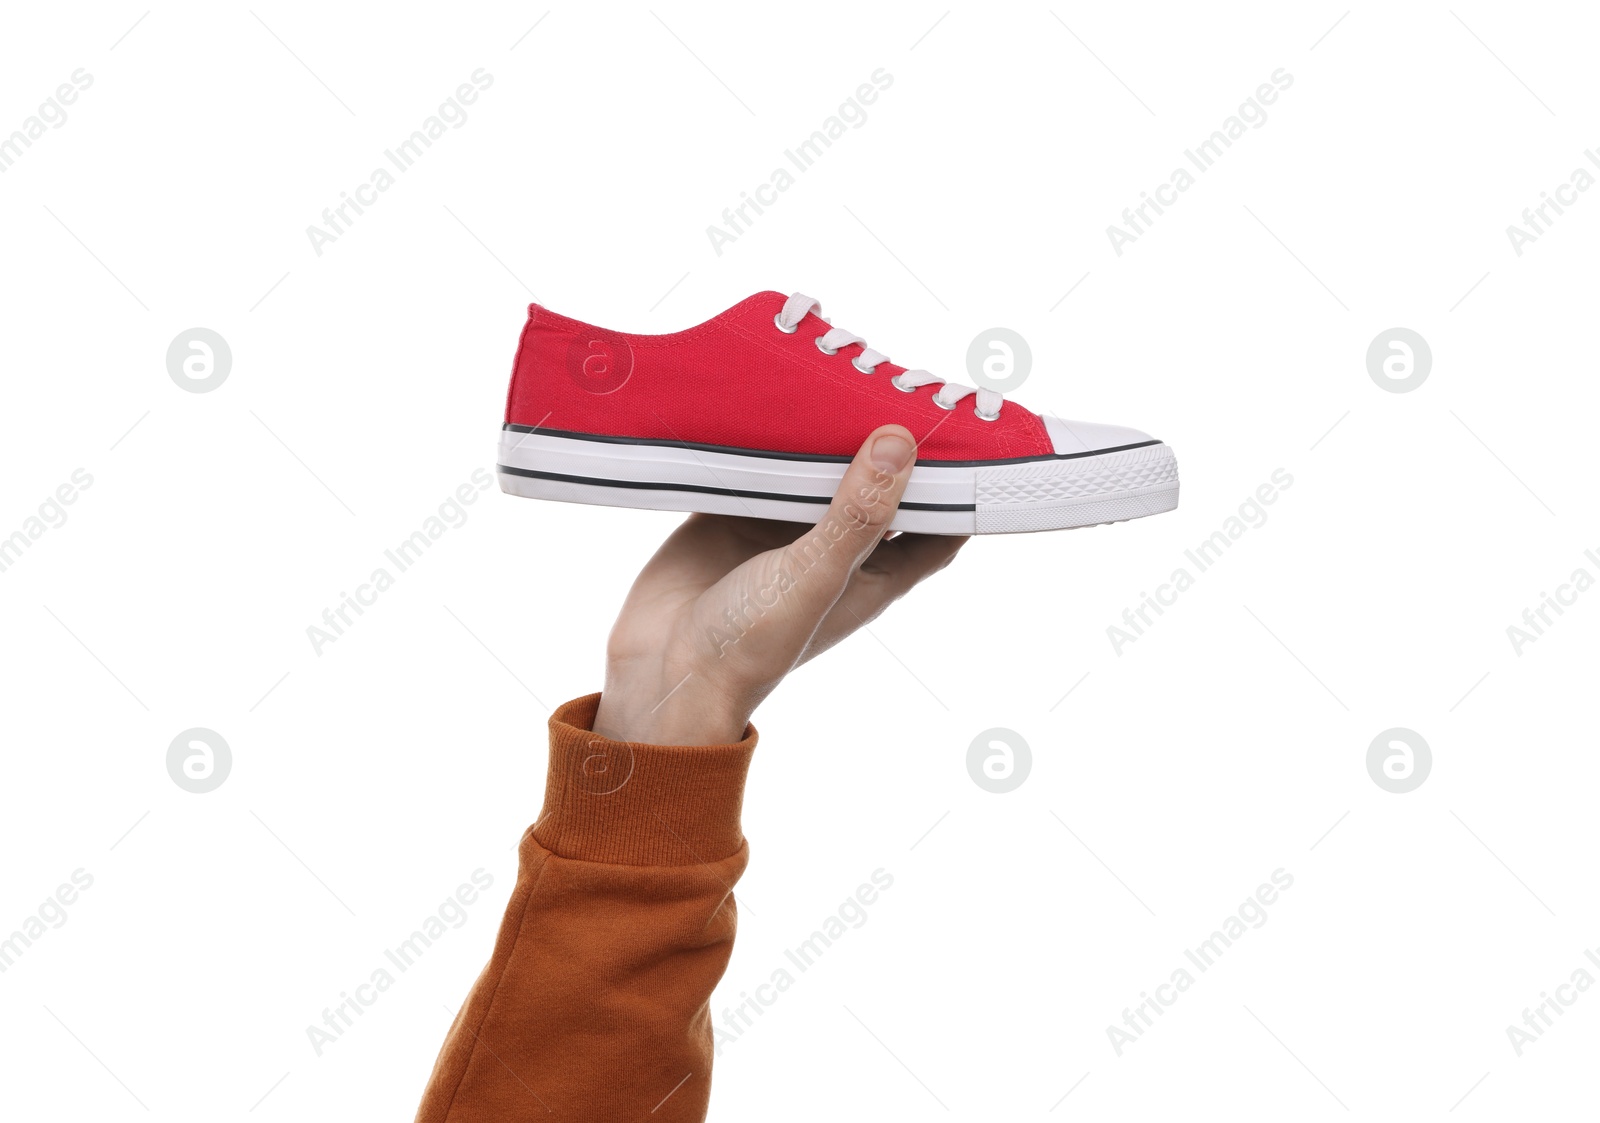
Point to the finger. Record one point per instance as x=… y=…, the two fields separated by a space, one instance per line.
x=896 y=567
x=893 y=570
x=822 y=561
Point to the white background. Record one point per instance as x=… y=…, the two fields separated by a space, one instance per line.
x=1230 y=741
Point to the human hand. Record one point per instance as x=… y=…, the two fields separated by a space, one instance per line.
x=728 y=606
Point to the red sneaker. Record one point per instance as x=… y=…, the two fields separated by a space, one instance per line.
x=757 y=411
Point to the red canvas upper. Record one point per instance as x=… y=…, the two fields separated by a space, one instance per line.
x=738 y=380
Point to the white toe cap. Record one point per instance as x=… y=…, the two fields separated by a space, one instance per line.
x=1069 y=437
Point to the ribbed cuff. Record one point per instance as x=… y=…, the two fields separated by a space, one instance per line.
x=635 y=804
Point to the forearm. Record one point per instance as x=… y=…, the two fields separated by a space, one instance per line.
x=594 y=1004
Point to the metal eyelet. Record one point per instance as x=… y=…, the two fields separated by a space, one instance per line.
x=777 y=322
x=936 y=401
x=856 y=362
x=825 y=350
x=995 y=416
x=898 y=385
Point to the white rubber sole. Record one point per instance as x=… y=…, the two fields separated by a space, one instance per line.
x=987 y=497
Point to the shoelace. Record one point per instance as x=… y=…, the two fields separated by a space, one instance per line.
x=948 y=396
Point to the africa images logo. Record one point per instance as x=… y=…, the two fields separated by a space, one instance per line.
x=599 y=361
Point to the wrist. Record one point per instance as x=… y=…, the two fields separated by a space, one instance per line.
x=670 y=716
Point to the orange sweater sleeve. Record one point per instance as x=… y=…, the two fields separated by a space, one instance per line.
x=594 y=1004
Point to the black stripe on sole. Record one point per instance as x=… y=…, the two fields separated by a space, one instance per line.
x=740 y=493
x=812 y=457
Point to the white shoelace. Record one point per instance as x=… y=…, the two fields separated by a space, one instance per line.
x=948 y=396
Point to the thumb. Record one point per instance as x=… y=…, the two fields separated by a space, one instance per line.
x=822 y=561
